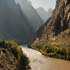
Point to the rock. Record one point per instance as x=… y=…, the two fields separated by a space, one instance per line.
x=12 y=58
x=57 y=25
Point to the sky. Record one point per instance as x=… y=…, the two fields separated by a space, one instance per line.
x=46 y=4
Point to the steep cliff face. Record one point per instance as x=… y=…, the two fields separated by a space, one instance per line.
x=53 y=38
x=60 y=20
x=30 y=13
x=57 y=26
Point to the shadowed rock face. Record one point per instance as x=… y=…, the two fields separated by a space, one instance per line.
x=30 y=13
x=58 y=25
x=12 y=57
x=7 y=60
x=61 y=18
x=13 y=23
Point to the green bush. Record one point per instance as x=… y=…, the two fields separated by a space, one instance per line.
x=57 y=51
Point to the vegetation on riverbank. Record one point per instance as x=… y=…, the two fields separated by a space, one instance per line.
x=21 y=60
x=57 y=51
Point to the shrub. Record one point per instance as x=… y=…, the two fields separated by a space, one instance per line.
x=58 y=51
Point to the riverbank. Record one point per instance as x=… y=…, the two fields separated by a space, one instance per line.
x=40 y=62
x=55 y=51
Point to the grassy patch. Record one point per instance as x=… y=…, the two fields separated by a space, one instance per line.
x=57 y=51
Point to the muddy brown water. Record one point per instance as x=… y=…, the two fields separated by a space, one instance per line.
x=40 y=62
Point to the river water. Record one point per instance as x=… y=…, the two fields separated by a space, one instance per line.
x=40 y=62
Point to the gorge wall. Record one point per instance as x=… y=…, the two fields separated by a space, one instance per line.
x=57 y=29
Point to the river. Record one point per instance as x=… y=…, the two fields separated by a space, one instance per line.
x=40 y=62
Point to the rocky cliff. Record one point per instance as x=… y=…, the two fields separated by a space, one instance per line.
x=53 y=38
x=58 y=26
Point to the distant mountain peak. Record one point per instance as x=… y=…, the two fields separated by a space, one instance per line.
x=44 y=14
x=30 y=13
x=18 y=21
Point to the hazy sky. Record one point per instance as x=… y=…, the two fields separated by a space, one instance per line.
x=46 y=4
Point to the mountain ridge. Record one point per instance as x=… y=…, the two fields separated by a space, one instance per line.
x=59 y=22
x=14 y=24
x=53 y=38
x=44 y=14
x=33 y=18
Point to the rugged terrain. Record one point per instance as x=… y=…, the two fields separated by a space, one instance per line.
x=56 y=31
x=12 y=57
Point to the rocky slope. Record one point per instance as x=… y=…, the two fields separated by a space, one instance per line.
x=54 y=36
x=58 y=24
x=12 y=57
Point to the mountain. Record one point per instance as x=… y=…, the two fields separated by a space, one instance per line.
x=58 y=23
x=53 y=38
x=30 y=13
x=44 y=14
x=14 y=24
